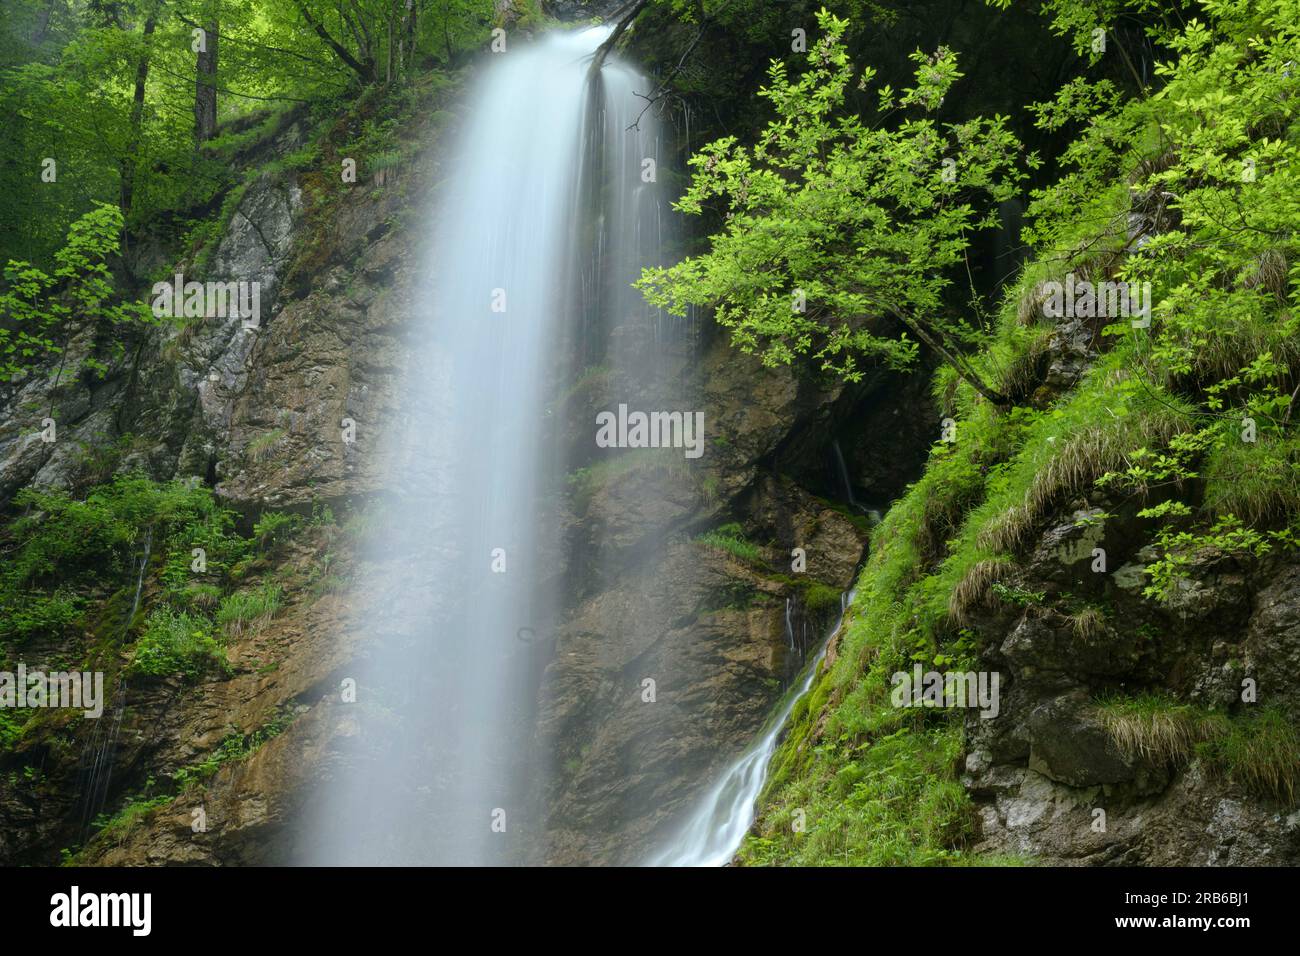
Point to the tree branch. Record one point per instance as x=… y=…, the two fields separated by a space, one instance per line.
x=633 y=9
x=362 y=70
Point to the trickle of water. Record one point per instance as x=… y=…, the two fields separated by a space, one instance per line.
x=714 y=831
x=95 y=767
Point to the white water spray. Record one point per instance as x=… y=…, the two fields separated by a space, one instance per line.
x=438 y=765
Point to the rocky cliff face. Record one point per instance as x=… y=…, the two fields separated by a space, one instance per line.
x=719 y=633
x=1042 y=770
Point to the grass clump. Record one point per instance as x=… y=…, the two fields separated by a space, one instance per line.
x=1088 y=623
x=1257 y=482
x=1260 y=752
x=137 y=808
x=731 y=539
x=1155 y=728
x=260 y=447
x=246 y=611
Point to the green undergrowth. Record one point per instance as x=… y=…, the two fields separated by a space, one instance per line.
x=136 y=808
x=234 y=747
x=71 y=566
x=730 y=538
x=629 y=465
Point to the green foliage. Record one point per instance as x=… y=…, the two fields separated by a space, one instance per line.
x=233 y=747
x=28 y=615
x=33 y=304
x=1179 y=549
x=1258 y=749
x=1015 y=595
x=60 y=547
x=833 y=224
x=273 y=527
x=176 y=643
x=1261 y=752
x=629 y=464
x=1214 y=152
x=820 y=598
x=12 y=722
x=891 y=802
x=135 y=810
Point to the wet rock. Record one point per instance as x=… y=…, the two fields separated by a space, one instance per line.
x=1068 y=745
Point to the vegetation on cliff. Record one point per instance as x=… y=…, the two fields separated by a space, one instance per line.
x=1187 y=183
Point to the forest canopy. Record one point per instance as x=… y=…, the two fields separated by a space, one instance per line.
x=121 y=100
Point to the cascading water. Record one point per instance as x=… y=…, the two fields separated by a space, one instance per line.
x=714 y=831
x=439 y=766
x=95 y=768
x=553 y=210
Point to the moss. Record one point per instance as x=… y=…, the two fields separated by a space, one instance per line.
x=586 y=482
x=820 y=599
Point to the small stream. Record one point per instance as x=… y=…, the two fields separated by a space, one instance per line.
x=713 y=832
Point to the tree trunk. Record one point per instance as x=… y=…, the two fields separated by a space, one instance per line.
x=132 y=158
x=42 y=27
x=958 y=365
x=410 y=33
x=205 y=82
x=629 y=13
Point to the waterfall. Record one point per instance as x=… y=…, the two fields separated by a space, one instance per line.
x=713 y=832
x=436 y=763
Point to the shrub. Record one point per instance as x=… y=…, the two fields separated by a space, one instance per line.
x=175 y=642
x=273 y=527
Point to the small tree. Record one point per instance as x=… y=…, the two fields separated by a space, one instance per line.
x=831 y=224
x=34 y=305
